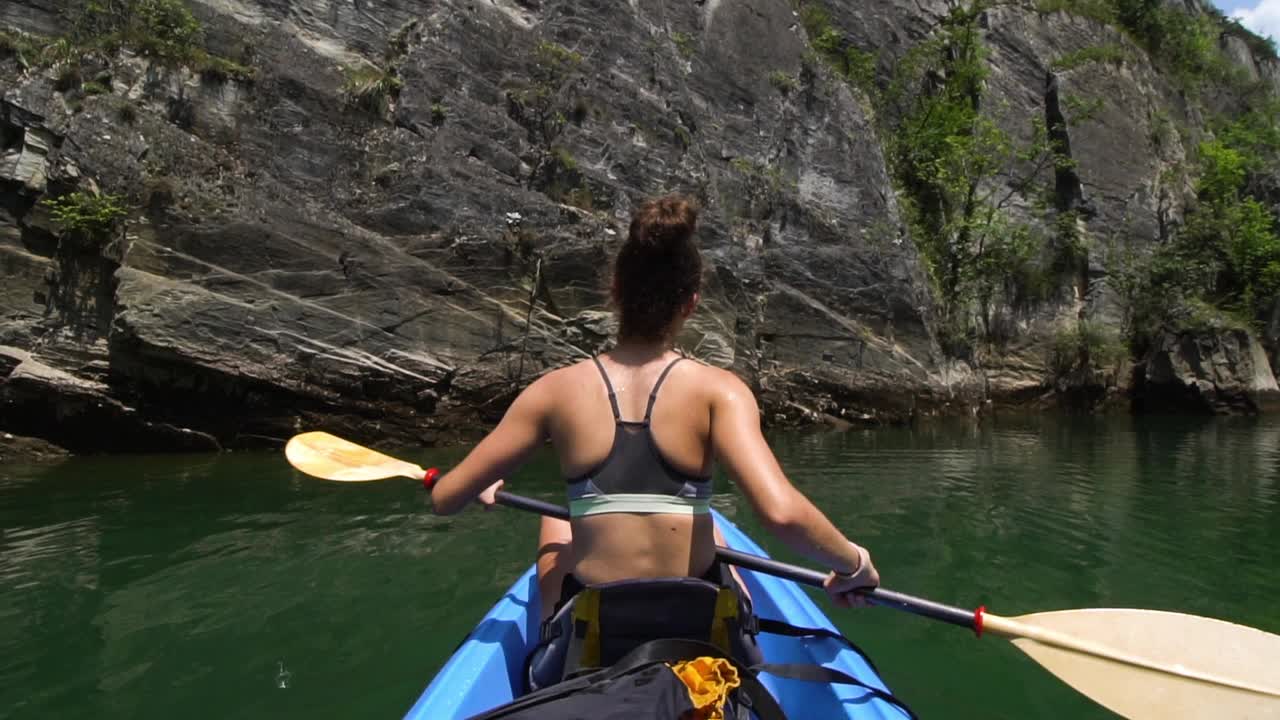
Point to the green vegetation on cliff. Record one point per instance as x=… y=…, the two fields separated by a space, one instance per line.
x=1185 y=45
x=1107 y=54
x=26 y=48
x=544 y=105
x=944 y=152
x=87 y=217
x=371 y=88
x=541 y=106
x=164 y=30
x=957 y=169
x=375 y=87
x=1231 y=222
x=1223 y=266
x=851 y=63
x=1085 y=346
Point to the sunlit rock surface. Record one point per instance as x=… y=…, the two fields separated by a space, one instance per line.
x=396 y=271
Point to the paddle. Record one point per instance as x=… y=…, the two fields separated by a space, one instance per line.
x=1141 y=664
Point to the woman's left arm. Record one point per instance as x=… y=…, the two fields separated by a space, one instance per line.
x=522 y=430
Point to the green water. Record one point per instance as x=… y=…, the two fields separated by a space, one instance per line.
x=230 y=586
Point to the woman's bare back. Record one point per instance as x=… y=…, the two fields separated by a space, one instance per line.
x=615 y=546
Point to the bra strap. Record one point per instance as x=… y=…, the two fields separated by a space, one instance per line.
x=613 y=397
x=653 y=395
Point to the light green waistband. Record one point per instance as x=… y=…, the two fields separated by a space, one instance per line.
x=638 y=503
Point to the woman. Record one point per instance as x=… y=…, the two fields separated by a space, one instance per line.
x=638 y=461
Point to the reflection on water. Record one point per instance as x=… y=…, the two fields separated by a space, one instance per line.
x=1044 y=514
x=137 y=587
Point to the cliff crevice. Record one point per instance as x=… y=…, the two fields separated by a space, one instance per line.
x=265 y=217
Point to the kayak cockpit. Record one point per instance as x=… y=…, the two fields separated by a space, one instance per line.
x=487 y=670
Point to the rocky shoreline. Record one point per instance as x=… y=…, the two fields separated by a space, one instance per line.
x=14 y=448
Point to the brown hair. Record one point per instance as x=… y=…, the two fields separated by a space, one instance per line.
x=658 y=269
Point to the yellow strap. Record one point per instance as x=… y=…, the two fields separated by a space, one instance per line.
x=722 y=622
x=709 y=681
x=586 y=609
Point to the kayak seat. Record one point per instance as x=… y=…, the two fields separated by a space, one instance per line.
x=602 y=623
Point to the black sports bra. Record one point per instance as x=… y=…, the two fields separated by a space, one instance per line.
x=634 y=477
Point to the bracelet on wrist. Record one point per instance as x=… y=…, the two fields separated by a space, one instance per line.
x=858 y=568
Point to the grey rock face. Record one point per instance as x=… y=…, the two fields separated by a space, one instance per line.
x=1118 y=135
x=302 y=263
x=14 y=448
x=36 y=16
x=1226 y=372
x=396 y=269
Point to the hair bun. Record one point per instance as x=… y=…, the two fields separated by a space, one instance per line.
x=664 y=222
x=658 y=269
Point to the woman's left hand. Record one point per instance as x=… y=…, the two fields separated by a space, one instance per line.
x=488 y=498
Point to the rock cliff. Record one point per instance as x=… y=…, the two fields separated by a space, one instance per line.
x=384 y=219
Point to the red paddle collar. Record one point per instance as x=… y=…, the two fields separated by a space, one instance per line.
x=433 y=474
x=977 y=617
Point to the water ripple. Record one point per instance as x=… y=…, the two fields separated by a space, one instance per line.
x=133 y=586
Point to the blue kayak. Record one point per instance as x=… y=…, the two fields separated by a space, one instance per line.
x=486 y=670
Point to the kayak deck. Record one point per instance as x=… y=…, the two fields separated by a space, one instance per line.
x=486 y=671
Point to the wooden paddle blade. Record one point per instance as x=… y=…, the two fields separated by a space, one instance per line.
x=332 y=458
x=1173 y=646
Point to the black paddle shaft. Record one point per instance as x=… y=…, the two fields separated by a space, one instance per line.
x=804 y=576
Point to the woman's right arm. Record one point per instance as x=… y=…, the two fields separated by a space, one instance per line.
x=784 y=510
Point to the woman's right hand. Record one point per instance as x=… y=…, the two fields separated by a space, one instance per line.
x=841 y=587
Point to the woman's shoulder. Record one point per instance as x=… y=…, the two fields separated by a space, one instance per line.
x=716 y=381
x=571 y=373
